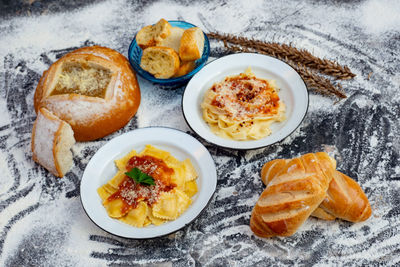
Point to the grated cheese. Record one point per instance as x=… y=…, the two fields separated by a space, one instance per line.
x=244 y=97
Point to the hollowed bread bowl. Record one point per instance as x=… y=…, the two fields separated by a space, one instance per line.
x=93 y=89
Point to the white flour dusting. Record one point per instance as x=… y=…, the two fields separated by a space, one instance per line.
x=41 y=34
x=51 y=224
x=379 y=16
x=220 y=236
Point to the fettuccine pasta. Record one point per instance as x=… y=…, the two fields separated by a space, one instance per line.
x=242 y=107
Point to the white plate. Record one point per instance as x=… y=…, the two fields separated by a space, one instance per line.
x=293 y=92
x=101 y=168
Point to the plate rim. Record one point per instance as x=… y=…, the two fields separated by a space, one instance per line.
x=169 y=232
x=252 y=147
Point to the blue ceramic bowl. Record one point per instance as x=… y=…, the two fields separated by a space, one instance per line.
x=135 y=55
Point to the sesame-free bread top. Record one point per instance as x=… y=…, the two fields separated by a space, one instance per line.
x=93 y=89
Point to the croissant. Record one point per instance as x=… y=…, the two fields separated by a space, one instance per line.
x=294 y=191
x=344 y=199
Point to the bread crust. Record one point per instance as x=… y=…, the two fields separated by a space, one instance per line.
x=322 y=214
x=152 y=35
x=52 y=148
x=92 y=117
x=52 y=166
x=164 y=29
x=344 y=199
x=185 y=68
x=55 y=151
x=296 y=188
x=189 y=49
x=144 y=39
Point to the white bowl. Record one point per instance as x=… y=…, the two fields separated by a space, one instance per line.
x=293 y=92
x=101 y=168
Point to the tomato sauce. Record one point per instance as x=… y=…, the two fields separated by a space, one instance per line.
x=244 y=97
x=131 y=192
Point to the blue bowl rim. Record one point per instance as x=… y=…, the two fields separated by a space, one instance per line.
x=171 y=80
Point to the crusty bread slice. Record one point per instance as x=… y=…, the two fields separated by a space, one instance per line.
x=192 y=44
x=162 y=62
x=185 y=68
x=150 y=35
x=162 y=29
x=145 y=37
x=173 y=40
x=52 y=140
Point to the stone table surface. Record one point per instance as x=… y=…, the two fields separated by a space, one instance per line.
x=42 y=222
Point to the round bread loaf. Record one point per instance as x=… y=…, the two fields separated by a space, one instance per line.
x=94 y=89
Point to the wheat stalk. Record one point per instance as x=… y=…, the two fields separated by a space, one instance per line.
x=319 y=84
x=313 y=81
x=302 y=56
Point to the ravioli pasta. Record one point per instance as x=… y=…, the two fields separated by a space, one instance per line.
x=141 y=205
x=242 y=107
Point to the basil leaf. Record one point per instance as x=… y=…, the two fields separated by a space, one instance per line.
x=140 y=177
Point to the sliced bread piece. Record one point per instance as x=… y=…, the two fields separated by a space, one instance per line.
x=145 y=38
x=151 y=34
x=185 y=68
x=162 y=29
x=162 y=62
x=173 y=40
x=192 y=44
x=52 y=140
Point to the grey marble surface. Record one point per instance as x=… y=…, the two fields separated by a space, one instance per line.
x=41 y=218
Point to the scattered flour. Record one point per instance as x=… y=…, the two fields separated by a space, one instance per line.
x=317 y=27
x=49 y=222
x=397 y=170
x=7 y=178
x=379 y=16
x=364 y=102
x=373 y=142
